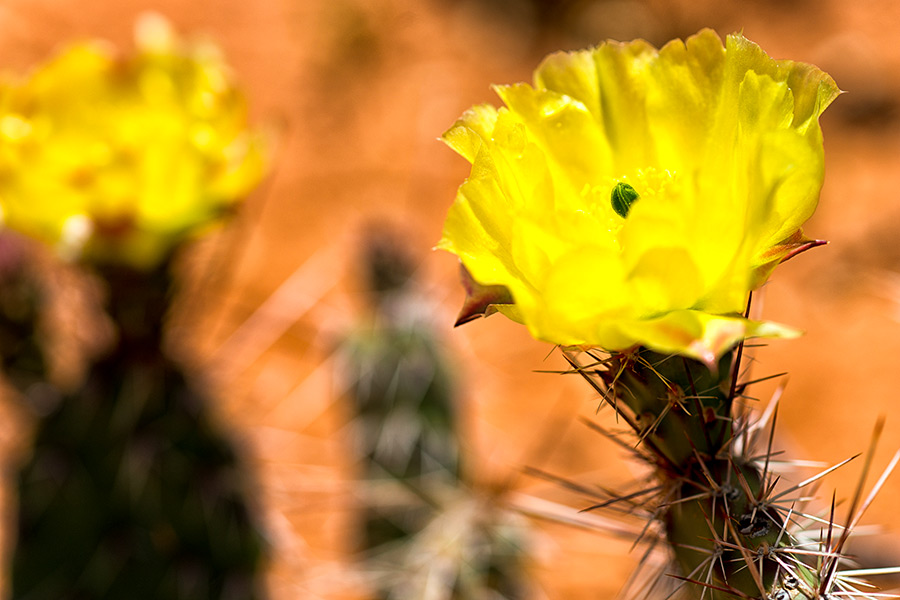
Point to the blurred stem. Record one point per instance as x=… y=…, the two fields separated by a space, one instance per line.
x=137 y=303
x=132 y=490
x=22 y=300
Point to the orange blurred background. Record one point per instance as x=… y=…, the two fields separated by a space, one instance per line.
x=360 y=90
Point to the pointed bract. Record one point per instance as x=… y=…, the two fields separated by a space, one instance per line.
x=481 y=300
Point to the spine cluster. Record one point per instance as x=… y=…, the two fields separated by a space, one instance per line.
x=733 y=529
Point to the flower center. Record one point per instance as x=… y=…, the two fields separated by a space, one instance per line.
x=622 y=197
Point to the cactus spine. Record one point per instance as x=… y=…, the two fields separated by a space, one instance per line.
x=730 y=533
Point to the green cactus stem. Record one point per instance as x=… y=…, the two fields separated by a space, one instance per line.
x=712 y=503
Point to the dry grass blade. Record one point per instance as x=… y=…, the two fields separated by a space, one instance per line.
x=305 y=287
x=629 y=590
x=547 y=510
x=566 y=483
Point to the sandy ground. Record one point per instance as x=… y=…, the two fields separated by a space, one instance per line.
x=360 y=90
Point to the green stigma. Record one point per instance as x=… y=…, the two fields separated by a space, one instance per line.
x=622 y=197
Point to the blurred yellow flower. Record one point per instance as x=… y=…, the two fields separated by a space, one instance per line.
x=118 y=160
x=635 y=197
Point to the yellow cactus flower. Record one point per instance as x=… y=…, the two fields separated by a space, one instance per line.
x=635 y=196
x=118 y=159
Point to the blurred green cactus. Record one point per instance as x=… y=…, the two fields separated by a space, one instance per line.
x=132 y=489
x=425 y=532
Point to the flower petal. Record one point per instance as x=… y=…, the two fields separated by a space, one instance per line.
x=721 y=149
x=700 y=335
x=140 y=151
x=473 y=129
